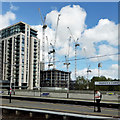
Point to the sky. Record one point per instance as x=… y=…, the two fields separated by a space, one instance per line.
x=94 y=24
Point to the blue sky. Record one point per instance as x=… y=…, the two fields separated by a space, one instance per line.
x=96 y=10
x=97 y=17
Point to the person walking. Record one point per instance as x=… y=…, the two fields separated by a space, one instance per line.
x=98 y=99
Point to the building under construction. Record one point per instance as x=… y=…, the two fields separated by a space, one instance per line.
x=55 y=78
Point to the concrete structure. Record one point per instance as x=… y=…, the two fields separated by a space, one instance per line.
x=54 y=78
x=20 y=56
x=1 y=60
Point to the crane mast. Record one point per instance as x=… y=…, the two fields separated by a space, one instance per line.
x=67 y=57
x=44 y=26
x=55 y=41
x=67 y=66
x=76 y=45
x=53 y=45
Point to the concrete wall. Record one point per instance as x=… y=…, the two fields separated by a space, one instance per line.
x=85 y=96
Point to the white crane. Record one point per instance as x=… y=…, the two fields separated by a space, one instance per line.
x=99 y=66
x=67 y=66
x=88 y=66
x=76 y=45
x=49 y=57
x=67 y=56
x=44 y=26
x=53 y=45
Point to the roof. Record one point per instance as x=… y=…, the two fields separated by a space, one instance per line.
x=55 y=70
x=18 y=23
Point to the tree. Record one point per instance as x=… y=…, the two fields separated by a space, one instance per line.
x=105 y=88
x=81 y=83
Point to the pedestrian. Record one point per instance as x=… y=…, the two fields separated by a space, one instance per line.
x=98 y=99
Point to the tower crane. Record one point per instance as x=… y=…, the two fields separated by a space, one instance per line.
x=67 y=56
x=76 y=45
x=49 y=58
x=88 y=66
x=52 y=51
x=67 y=65
x=99 y=66
x=44 y=26
x=53 y=45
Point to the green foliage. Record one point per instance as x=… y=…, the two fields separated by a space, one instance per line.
x=104 y=88
x=82 y=83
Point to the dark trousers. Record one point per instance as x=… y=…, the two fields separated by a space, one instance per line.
x=98 y=105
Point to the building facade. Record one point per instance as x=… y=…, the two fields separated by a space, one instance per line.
x=20 y=56
x=55 y=78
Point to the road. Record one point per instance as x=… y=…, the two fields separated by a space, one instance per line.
x=66 y=108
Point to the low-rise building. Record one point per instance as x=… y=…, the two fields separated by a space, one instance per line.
x=55 y=78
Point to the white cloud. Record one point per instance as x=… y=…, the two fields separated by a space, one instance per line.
x=66 y=20
x=112 y=72
x=6 y=19
x=76 y=24
x=104 y=31
x=102 y=39
x=12 y=7
x=106 y=50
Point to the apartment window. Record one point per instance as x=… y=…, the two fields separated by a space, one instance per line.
x=22 y=60
x=27 y=30
x=22 y=77
x=22 y=48
x=22 y=53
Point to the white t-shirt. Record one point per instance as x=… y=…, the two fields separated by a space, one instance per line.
x=97 y=95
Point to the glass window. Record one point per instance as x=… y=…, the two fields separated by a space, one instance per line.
x=22 y=60
x=22 y=48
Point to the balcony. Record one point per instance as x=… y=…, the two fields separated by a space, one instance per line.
x=8 y=58
x=17 y=56
x=35 y=48
x=35 y=52
x=16 y=60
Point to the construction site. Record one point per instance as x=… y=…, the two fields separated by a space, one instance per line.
x=53 y=77
x=41 y=53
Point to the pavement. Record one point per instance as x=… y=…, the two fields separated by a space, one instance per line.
x=107 y=113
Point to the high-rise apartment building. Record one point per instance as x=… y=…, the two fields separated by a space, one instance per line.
x=20 y=56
